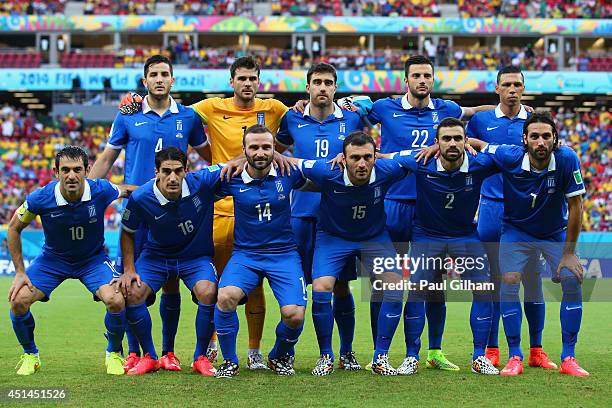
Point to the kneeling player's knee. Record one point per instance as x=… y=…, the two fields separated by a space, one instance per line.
x=325 y=284
x=293 y=315
x=113 y=300
x=227 y=299
x=511 y=278
x=22 y=302
x=137 y=294
x=205 y=292
x=342 y=289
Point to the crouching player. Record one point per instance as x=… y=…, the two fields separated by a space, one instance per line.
x=72 y=215
x=264 y=246
x=448 y=191
x=177 y=208
x=542 y=181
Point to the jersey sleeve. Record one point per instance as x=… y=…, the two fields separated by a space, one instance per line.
x=279 y=111
x=110 y=191
x=375 y=113
x=406 y=160
x=118 y=137
x=209 y=177
x=575 y=184
x=203 y=109
x=196 y=136
x=132 y=216
x=315 y=170
x=500 y=154
x=471 y=129
x=297 y=180
x=24 y=214
x=454 y=110
x=283 y=135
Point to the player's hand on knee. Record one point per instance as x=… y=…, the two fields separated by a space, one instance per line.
x=130 y=103
x=427 y=152
x=572 y=263
x=125 y=283
x=283 y=164
x=337 y=161
x=20 y=281
x=233 y=168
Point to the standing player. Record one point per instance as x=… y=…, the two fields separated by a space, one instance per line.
x=409 y=123
x=318 y=133
x=448 y=191
x=504 y=125
x=351 y=223
x=72 y=214
x=161 y=123
x=177 y=209
x=543 y=191
x=227 y=119
x=264 y=247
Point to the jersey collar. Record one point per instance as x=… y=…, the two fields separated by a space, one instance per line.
x=337 y=111
x=406 y=105
x=552 y=165
x=247 y=179
x=465 y=166
x=521 y=115
x=163 y=200
x=146 y=108
x=347 y=181
x=60 y=200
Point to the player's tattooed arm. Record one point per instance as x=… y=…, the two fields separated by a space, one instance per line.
x=126 y=240
x=104 y=163
x=13 y=238
x=468 y=112
x=574 y=224
x=205 y=152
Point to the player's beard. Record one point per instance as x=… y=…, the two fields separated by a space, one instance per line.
x=450 y=158
x=257 y=164
x=540 y=154
x=415 y=93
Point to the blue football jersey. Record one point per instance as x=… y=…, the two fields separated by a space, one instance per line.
x=74 y=231
x=404 y=127
x=447 y=200
x=536 y=202
x=262 y=210
x=180 y=229
x=315 y=140
x=495 y=128
x=145 y=133
x=354 y=213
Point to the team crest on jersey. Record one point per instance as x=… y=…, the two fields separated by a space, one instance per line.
x=550 y=182
x=92 y=211
x=179 y=125
x=261 y=118
x=434 y=116
x=469 y=182
x=377 y=192
x=279 y=186
x=343 y=127
x=197 y=203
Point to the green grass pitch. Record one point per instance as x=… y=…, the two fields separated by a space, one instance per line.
x=69 y=334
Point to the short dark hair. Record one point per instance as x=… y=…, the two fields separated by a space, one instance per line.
x=321 y=68
x=156 y=59
x=358 y=138
x=170 y=153
x=417 y=60
x=542 y=117
x=510 y=69
x=257 y=129
x=449 y=122
x=74 y=153
x=247 y=62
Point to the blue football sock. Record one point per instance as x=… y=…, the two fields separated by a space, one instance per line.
x=535 y=312
x=139 y=320
x=133 y=344
x=436 y=318
x=512 y=315
x=480 y=322
x=323 y=320
x=414 y=323
x=227 y=330
x=375 y=302
x=169 y=311
x=24 y=330
x=205 y=326
x=388 y=319
x=344 y=314
x=570 y=314
x=286 y=337
x=493 y=340
x=115 y=327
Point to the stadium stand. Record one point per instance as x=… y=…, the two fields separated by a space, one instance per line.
x=19 y=59
x=104 y=7
x=28 y=7
x=28 y=146
x=536 y=8
x=214 y=7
